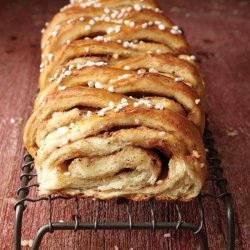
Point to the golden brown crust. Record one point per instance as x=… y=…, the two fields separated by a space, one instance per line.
x=75 y=12
x=105 y=50
x=74 y=30
x=63 y=101
x=143 y=84
x=121 y=107
x=179 y=140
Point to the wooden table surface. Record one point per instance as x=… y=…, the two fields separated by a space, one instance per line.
x=219 y=33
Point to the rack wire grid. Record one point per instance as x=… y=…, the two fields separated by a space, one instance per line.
x=215 y=177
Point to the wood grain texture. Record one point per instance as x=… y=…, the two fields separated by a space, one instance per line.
x=218 y=31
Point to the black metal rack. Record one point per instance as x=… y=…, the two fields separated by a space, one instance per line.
x=198 y=229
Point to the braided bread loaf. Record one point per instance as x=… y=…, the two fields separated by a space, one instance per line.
x=120 y=109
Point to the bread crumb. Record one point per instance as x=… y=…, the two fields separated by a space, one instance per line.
x=30 y=243
x=12 y=120
x=26 y=243
x=231 y=132
x=195 y=154
x=167 y=235
x=197 y=101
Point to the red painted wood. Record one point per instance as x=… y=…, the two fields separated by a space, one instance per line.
x=218 y=31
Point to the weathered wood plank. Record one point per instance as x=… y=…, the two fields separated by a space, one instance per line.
x=217 y=31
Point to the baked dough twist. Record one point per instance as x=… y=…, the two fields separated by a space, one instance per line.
x=120 y=112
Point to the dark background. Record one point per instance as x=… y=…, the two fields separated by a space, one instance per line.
x=219 y=33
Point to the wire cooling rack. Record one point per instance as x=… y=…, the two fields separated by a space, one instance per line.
x=215 y=177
